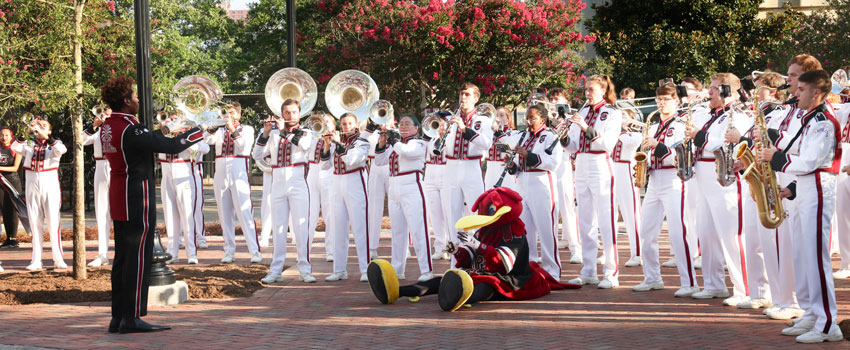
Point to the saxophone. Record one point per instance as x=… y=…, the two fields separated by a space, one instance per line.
x=685 y=158
x=764 y=188
x=724 y=159
x=642 y=158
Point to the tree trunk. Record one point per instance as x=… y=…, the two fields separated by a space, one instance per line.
x=78 y=112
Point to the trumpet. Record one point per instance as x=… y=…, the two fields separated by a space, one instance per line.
x=98 y=111
x=31 y=121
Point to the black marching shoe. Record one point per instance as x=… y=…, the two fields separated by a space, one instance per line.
x=114 y=324
x=10 y=243
x=136 y=325
x=455 y=289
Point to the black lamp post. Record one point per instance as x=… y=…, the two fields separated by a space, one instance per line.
x=290 y=32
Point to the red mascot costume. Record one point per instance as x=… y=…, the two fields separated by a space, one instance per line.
x=491 y=264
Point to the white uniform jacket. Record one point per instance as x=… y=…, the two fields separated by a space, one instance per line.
x=604 y=123
x=282 y=150
x=404 y=157
x=471 y=144
x=352 y=157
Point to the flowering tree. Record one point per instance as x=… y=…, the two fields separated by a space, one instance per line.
x=419 y=53
x=823 y=35
x=646 y=41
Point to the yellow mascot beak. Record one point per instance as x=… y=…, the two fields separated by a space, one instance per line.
x=476 y=221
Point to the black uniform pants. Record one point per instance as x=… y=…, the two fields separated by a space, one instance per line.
x=7 y=208
x=480 y=292
x=133 y=253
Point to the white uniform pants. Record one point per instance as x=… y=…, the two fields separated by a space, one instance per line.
x=178 y=185
x=627 y=200
x=494 y=171
x=539 y=210
x=842 y=218
x=463 y=185
x=101 y=206
x=349 y=208
x=692 y=197
x=720 y=231
x=779 y=257
x=758 y=254
x=233 y=195
x=433 y=185
x=816 y=202
x=290 y=200
x=566 y=195
x=594 y=190
x=377 y=187
x=408 y=215
x=315 y=196
x=326 y=191
x=200 y=226
x=44 y=198
x=665 y=197
x=265 y=208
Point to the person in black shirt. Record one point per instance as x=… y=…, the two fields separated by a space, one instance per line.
x=10 y=162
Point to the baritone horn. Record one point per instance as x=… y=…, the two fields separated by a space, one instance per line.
x=431 y=125
x=382 y=112
x=291 y=83
x=351 y=91
x=315 y=123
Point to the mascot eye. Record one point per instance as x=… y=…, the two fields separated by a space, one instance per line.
x=491 y=210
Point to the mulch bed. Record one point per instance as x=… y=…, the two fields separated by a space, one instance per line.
x=205 y=282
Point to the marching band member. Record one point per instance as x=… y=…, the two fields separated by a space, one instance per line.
x=232 y=189
x=592 y=136
x=377 y=188
x=179 y=200
x=265 y=203
x=495 y=158
x=566 y=192
x=129 y=147
x=720 y=229
x=436 y=196
x=10 y=162
x=626 y=195
x=842 y=200
x=290 y=197
x=534 y=167
x=468 y=138
x=791 y=296
x=91 y=136
x=665 y=198
x=347 y=155
x=43 y=195
x=813 y=154
x=405 y=157
x=760 y=245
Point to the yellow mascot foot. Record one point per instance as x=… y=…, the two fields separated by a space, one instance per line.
x=455 y=289
x=383 y=280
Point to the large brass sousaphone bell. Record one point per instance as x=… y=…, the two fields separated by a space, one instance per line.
x=291 y=83
x=351 y=91
x=197 y=98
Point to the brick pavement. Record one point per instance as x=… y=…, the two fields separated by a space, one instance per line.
x=345 y=315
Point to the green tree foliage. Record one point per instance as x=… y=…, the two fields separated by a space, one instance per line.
x=649 y=40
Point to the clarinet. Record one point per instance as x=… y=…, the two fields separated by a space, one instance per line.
x=565 y=130
x=509 y=161
x=442 y=142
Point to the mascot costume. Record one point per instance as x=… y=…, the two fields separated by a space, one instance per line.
x=492 y=263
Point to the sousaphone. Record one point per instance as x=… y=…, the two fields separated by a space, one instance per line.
x=351 y=91
x=196 y=94
x=291 y=83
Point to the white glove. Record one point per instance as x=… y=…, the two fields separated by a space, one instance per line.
x=469 y=240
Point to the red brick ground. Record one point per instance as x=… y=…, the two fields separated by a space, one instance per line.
x=344 y=314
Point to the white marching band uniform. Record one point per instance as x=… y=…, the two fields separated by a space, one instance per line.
x=178 y=189
x=665 y=198
x=842 y=200
x=43 y=195
x=813 y=154
x=537 y=186
x=101 y=195
x=232 y=188
x=594 y=181
x=719 y=217
x=266 y=206
x=435 y=193
x=318 y=181
x=626 y=195
x=463 y=179
x=350 y=207
x=407 y=205
x=290 y=195
x=496 y=165
x=566 y=195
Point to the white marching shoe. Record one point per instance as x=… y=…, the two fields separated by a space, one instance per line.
x=34 y=266
x=257 y=258
x=575 y=258
x=698 y=263
x=686 y=292
x=272 y=278
x=582 y=280
x=608 y=283
x=440 y=256
x=600 y=260
x=669 y=263
x=735 y=300
x=816 y=336
x=400 y=277
x=785 y=313
x=193 y=260
x=634 y=261
x=202 y=244
x=227 y=259
x=1 y=269
x=425 y=277
x=60 y=265
x=709 y=294
x=307 y=278
x=799 y=328
x=373 y=254
x=843 y=273
x=337 y=276
x=365 y=278
x=100 y=260
x=646 y=286
x=329 y=258
x=757 y=303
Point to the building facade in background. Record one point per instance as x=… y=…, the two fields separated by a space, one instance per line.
x=236 y=15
